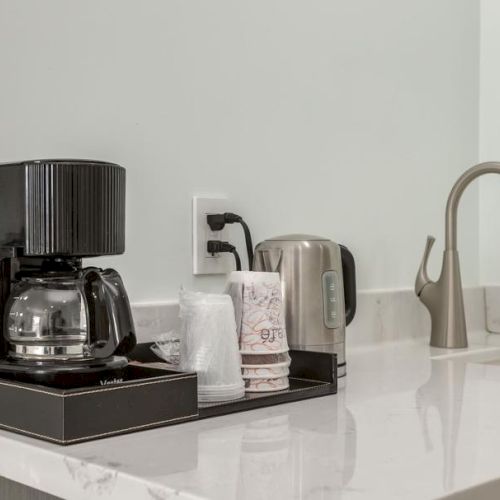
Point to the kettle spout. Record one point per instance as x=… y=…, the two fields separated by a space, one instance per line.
x=422 y=278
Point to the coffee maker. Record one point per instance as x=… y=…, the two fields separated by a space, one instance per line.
x=62 y=324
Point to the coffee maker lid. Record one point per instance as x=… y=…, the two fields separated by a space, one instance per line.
x=63 y=207
x=298 y=237
x=60 y=161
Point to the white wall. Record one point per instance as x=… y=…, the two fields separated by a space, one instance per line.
x=490 y=141
x=349 y=119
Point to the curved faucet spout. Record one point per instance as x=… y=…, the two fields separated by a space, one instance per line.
x=443 y=298
x=456 y=193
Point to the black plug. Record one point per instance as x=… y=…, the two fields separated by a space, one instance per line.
x=218 y=221
x=217 y=246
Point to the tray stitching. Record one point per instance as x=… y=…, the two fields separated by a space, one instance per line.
x=41 y=391
x=95 y=436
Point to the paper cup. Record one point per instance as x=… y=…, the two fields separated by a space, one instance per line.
x=265 y=359
x=266 y=385
x=269 y=371
x=258 y=305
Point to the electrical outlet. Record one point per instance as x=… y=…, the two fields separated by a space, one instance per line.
x=204 y=262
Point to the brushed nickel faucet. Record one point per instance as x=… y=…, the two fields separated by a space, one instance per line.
x=443 y=298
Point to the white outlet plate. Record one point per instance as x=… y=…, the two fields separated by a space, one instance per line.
x=203 y=262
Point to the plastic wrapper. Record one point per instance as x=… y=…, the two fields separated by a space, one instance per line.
x=167 y=347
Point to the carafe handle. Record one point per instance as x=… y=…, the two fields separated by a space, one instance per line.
x=105 y=288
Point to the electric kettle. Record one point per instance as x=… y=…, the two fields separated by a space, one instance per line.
x=318 y=281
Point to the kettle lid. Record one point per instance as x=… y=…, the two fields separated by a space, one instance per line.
x=298 y=237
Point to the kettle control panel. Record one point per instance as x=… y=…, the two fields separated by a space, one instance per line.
x=331 y=315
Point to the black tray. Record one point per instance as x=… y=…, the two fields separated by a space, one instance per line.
x=312 y=374
x=144 y=398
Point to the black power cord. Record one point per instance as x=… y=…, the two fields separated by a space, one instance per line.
x=216 y=246
x=218 y=221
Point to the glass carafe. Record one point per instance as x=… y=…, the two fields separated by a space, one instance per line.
x=81 y=316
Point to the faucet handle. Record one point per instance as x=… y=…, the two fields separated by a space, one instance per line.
x=422 y=277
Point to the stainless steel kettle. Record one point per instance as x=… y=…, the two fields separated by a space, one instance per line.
x=319 y=289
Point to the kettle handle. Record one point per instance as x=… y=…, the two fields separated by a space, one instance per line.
x=349 y=274
x=107 y=287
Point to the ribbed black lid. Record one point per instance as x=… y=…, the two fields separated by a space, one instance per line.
x=71 y=207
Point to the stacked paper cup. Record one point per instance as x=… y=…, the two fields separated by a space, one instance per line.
x=260 y=323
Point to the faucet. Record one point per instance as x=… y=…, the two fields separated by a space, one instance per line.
x=444 y=298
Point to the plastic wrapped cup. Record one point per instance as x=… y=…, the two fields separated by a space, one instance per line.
x=258 y=306
x=209 y=345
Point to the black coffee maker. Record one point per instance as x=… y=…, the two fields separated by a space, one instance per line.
x=62 y=324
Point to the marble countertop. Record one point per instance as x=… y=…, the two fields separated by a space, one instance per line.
x=408 y=422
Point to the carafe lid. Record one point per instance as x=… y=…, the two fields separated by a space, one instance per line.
x=47 y=268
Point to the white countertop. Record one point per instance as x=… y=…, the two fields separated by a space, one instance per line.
x=410 y=422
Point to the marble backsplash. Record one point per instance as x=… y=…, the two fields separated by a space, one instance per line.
x=382 y=315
